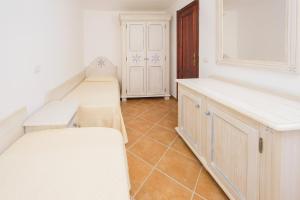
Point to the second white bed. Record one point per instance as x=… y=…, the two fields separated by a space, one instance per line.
x=99 y=104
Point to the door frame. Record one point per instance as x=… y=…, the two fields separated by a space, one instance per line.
x=195 y=3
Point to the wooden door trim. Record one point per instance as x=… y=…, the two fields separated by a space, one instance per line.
x=195 y=3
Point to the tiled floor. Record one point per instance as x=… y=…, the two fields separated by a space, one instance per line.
x=161 y=166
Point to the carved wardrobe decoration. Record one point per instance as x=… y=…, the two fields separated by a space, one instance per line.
x=145 y=65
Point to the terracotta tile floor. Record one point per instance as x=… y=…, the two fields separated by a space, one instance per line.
x=161 y=166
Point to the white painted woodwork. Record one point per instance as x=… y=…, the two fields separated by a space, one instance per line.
x=233 y=153
x=288 y=65
x=136 y=80
x=11 y=128
x=145 y=70
x=155 y=58
x=276 y=112
x=136 y=63
x=190 y=114
x=53 y=115
x=59 y=92
x=225 y=135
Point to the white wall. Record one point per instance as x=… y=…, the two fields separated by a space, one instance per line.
x=102 y=36
x=45 y=33
x=274 y=81
x=173 y=57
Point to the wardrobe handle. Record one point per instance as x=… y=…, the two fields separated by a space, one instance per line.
x=146 y=59
x=207 y=113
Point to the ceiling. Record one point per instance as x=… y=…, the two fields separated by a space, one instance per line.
x=128 y=5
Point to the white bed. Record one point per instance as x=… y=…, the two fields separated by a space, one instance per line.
x=99 y=98
x=66 y=164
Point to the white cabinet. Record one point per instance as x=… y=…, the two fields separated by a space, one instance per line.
x=247 y=140
x=224 y=141
x=145 y=68
x=233 y=153
x=190 y=118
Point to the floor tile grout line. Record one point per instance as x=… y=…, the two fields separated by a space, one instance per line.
x=139 y=139
x=155 y=167
x=155 y=140
x=174 y=180
x=144 y=135
x=166 y=127
x=172 y=148
x=146 y=162
x=139 y=113
x=196 y=183
x=151 y=172
x=195 y=193
x=169 y=148
x=147 y=111
x=141 y=159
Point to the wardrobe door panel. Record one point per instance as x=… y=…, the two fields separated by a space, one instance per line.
x=136 y=81
x=155 y=58
x=136 y=59
x=156 y=38
x=155 y=80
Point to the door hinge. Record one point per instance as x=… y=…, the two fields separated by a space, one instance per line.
x=261 y=145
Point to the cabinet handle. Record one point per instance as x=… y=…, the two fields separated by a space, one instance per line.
x=207 y=113
x=197 y=105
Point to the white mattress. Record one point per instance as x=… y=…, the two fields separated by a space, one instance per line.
x=99 y=104
x=66 y=164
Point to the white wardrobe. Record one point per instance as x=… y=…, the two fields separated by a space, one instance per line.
x=145 y=62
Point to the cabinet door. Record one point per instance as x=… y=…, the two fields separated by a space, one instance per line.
x=190 y=119
x=136 y=59
x=156 y=58
x=233 y=153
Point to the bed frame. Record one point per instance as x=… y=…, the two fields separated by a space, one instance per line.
x=101 y=66
x=63 y=89
x=11 y=128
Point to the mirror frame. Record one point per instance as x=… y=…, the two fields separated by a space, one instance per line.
x=291 y=29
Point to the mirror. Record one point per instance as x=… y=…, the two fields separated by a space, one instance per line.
x=256 y=32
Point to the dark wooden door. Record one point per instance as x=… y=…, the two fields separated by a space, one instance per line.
x=188 y=41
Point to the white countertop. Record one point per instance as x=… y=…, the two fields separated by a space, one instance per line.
x=55 y=113
x=276 y=112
